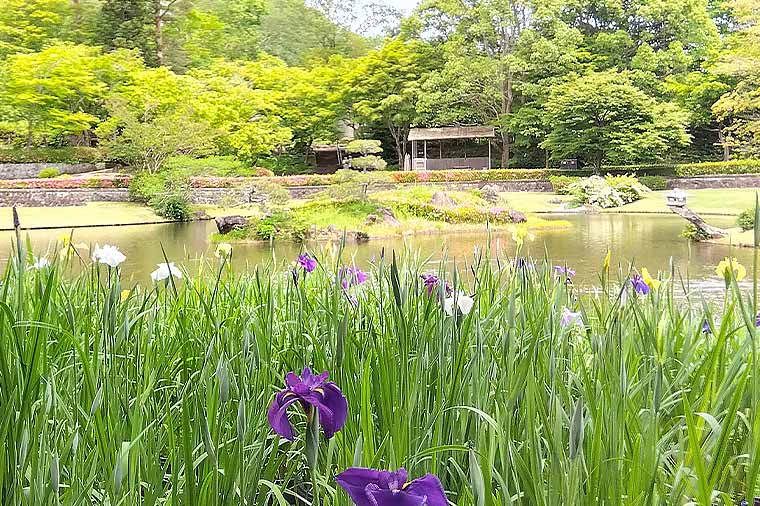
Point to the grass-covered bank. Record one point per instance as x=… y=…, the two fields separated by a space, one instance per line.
x=90 y=215
x=387 y=213
x=537 y=395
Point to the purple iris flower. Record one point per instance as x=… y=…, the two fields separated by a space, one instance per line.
x=706 y=327
x=524 y=263
x=564 y=271
x=312 y=391
x=639 y=285
x=431 y=282
x=351 y=276
x=306 y=262
x=757 y=320
x=370 y=487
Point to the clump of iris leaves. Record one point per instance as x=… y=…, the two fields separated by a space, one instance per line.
x=159 y=394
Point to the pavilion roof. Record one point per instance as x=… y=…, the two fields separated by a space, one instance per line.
x=455 y=132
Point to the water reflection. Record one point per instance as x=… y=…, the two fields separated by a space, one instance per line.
x=645 y=240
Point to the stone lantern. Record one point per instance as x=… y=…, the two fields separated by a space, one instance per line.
x=676 y=198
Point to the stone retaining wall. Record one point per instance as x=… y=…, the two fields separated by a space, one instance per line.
x=59 y=198
x=30 y=170
x=236 y=196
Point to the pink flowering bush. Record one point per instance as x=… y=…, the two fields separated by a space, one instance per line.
x=73 y=183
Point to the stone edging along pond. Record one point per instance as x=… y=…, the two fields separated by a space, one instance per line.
x=56 y=197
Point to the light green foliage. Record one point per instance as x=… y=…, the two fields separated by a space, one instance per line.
x=54 y=92
x=30 y=25
x=602 y=117
x=739 y=109
x=383 y=88
x=369 y=162
x=364 y=147
x=367 y=148
x=519 y=65
x=746 y=219
x=354 y=185
x=48 y=173
x=561 y=184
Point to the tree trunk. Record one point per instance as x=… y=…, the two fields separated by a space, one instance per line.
x=723 y=143
x=160 y=37
x=696 y=220
x=506 y=108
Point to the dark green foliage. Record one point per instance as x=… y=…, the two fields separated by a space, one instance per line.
x=694 y=234
x=286 y=165
x=174 y=206
x=271 y=226
x=746 y=219
x=129 y=24
x=654 y=182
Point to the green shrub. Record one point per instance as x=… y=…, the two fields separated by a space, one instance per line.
x=49 y=173
x=286 y=165
x=746 y=219
x=654 y=182
x=561 y=184
x=76 y=154
x=272 y=226
x=276 y=194
x=145 y=185
x=174 y=206
x=694 y=234
x=628 y=187
x=369 y=162
x=606 y=192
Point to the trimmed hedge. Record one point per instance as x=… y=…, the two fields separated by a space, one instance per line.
x=52 y=155
x=73 y=183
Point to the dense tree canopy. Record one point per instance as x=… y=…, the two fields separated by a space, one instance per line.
x=607 y=81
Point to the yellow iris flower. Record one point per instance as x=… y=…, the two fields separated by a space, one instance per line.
x=653 y=283
x=729 y=265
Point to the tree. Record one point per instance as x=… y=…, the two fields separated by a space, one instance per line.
x=128 y=24
x=316 y=39
x=739 y=109
x=153 y=116
x=54 y=92
x=484 y=34
x=601 y=117
x=30 y=25
x=384 y=88
x=241 y=102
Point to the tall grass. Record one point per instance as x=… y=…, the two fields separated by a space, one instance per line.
x=159 y=395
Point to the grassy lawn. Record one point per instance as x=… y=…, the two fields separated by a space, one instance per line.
x=729 y=201
x=712 y=201
x=92 y=214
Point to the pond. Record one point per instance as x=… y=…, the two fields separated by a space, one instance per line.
x=645 y=240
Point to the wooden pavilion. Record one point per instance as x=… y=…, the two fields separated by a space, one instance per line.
x=466 y=147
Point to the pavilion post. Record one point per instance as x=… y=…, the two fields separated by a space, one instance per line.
x=489 y=153
x=424 y=147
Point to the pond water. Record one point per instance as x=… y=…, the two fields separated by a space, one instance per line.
x=645 y=240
